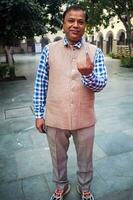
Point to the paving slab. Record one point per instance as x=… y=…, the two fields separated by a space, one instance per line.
x=127 y=194
x=8 y=168
x=9 y=143
x=118 y=165
x=98 y=152
x=5 y=127
x=23 y=124
x=11 y=191
x=35 y=188
x=18 y=112
x=115 y=143
x=32 y=162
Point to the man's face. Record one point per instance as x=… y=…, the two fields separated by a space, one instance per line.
x=74 y=25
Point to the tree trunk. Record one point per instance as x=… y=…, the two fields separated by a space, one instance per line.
x=126 y=20
x=129 y=34
x=129 y=40
x=8 y=55
x=10 y=62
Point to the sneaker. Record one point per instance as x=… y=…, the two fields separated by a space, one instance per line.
x=85 y=195
x=60 y=193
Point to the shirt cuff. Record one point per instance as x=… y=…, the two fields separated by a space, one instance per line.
x=89 y=76
x=40 y=115
x=37 y=116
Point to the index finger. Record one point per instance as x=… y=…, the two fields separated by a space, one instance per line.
x=88 y=58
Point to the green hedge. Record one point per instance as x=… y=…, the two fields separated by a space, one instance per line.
x=6 y=71
x=127 y=62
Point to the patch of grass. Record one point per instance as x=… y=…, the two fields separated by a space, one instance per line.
x=113 y=55
x=127 y=62
x=7 y=73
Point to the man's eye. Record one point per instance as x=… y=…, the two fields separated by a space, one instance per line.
x=70 y=20
x=81 y=22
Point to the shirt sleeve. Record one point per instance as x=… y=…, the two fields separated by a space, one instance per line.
x=97 y=80
x=41 y=84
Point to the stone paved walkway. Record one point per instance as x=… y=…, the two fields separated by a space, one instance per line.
x=25 y=163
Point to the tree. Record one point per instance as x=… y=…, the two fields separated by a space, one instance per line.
x=25 y=19
x=28 y=18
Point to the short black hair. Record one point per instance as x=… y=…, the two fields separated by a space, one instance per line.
x=75 y=7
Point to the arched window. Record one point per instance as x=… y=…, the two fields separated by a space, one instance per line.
x=109 y=45
x=121 y=40
x=132 y=39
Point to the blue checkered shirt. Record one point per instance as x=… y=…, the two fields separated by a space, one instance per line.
x=96 y=81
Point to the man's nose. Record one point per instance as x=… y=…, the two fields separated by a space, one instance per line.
x=75 y=24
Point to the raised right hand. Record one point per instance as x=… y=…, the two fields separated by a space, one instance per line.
x=85 y=68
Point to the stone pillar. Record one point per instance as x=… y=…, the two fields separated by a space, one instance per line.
x=97 y=43
x=24 y=47
x=1 y=49
x=132 y=52
x=114 y=48
x=104 y=46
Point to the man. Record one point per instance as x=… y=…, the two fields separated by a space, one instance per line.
x=69 y=73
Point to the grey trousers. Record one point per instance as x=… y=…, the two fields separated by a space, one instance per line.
x=58 y=140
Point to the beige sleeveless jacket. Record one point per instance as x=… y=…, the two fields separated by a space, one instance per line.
x=69 y=104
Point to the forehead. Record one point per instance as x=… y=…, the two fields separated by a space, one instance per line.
x=80 y=14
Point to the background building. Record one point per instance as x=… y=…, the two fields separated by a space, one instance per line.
x=113 y=38
x=110 y=39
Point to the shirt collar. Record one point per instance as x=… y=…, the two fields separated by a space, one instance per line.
x=77 y=45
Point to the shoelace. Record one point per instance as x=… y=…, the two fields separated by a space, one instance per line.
x=86 y=194
x=58 y=193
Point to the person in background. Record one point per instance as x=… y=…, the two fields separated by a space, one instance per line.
x=70 y=72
